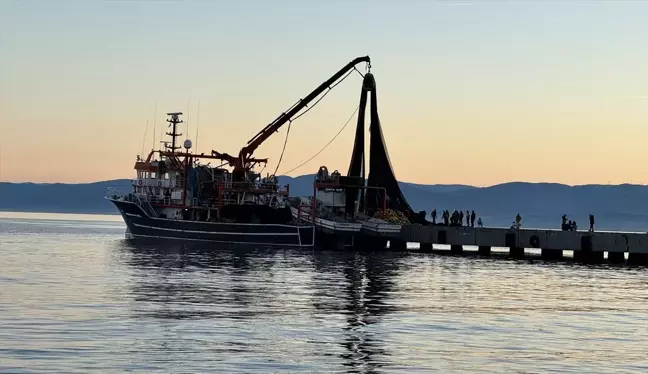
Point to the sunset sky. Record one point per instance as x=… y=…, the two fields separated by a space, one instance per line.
x=476 y=92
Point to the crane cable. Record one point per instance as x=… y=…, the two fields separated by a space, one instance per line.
x=327 y=144
x=306 y=111
x=284 y=149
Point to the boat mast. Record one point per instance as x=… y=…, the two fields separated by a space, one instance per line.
x=175 y=120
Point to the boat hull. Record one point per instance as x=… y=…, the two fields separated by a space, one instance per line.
x=142 y=226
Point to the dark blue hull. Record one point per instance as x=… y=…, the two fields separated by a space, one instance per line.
x=140 y=226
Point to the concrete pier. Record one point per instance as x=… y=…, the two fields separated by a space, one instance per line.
x=638 y=258
x=588 y=247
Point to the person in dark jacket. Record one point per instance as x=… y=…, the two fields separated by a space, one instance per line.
x=591 y=219
x=472 y=219
x=434 y=216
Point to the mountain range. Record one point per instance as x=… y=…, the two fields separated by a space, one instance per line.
x=616 y=207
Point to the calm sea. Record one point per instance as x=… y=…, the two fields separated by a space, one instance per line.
x=76 y=297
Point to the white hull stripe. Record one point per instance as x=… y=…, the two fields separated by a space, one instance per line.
x=132 y=236
x=133 y=215
x=332 y=225
x=218 y=232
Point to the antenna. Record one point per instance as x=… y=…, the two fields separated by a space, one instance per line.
x=187 y=119
x=197 y=123
x=144 y=140
x=154 y=124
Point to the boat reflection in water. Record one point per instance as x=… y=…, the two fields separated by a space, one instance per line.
x=305 y=306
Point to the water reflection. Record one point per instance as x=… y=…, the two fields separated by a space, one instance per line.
x=191 y=282
x=369 y=281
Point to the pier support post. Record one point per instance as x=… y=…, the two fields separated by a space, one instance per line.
x=484 y=250
x=511 y=241
x=616 y=257
x=586 y=255
x=456 y=249
x=551 y=254
x=336 y=242
x=516 y=252
x=426 y=247
x=364 y=242
x=397 y=245
x=638 y=258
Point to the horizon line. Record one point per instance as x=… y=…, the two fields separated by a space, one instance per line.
x=400 y=181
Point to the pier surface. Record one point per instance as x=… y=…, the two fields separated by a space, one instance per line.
x=587 y=246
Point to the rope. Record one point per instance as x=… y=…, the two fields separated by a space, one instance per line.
x=356 y=69
x=306 y=111
x=327 y=144
x=283 y=150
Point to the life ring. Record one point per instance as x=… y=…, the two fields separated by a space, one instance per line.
x=534 y=241
x=139 y=182
x=159 y=183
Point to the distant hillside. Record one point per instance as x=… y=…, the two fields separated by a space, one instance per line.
x=59 y=197
x=621 y=207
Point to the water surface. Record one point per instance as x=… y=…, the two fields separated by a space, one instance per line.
x=76 y=297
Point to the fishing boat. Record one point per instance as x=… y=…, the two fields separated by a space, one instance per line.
x=178 y=195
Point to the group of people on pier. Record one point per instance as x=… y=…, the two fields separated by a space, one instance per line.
x=456 y=218
x=569 y=225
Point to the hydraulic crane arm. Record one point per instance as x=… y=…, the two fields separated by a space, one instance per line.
x=275 y=125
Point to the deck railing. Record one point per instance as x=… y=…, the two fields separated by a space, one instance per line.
x=139 y=199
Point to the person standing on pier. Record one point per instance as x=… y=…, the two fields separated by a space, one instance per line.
x=467 y=218
x=518 y=220
x=472 y=219
x=461 y=218
x=591 y=219
x=434 y=216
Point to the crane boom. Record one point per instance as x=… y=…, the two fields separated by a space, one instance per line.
x=247 y=151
